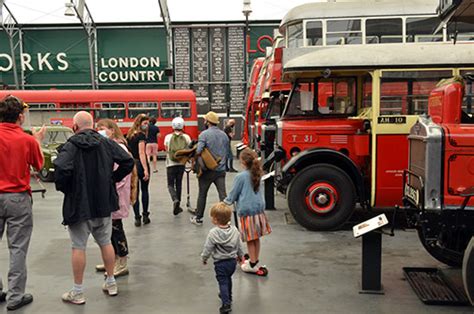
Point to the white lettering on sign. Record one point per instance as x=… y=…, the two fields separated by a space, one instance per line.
x=123 y=65
x=61 y=57
x=131 y=76
x=129 y=62
x=26 y=62
x=9 y=62
x=42 y=62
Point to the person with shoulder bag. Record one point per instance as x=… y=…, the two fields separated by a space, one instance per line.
x=217 y=142
x=176 y=141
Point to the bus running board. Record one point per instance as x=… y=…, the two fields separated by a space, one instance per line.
x=433 y=288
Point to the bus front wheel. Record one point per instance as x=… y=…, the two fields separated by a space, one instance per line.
x=321 y=197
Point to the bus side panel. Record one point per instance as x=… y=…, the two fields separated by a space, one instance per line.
x=392 y=159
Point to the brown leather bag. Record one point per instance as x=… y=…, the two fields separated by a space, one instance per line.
x=209 y=160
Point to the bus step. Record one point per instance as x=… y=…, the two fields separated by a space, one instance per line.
x=433 y=288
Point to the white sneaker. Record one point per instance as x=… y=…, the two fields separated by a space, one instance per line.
x=74 y=297
x=247 y=268
x=196 y=221
x=110 y=288
x=100 y=267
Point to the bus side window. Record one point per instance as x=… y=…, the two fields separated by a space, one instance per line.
x=179 y=109
x=384 y=31
x=113 y=111
x=421 y=29
x=148 y=108
x=314 y=33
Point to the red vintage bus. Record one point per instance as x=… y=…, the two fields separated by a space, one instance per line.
x=122 y=106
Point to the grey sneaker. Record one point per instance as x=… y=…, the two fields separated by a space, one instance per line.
x=110 y=288
x=74 y=297
x=197 y=221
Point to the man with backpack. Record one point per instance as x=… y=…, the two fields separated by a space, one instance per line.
x=175 y=141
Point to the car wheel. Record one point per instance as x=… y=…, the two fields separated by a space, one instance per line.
x=45 y=175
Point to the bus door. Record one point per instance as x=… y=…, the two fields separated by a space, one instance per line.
x=398 y=97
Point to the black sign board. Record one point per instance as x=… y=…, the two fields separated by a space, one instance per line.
x=392 y=120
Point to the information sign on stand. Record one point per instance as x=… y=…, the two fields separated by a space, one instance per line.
x=371 y=254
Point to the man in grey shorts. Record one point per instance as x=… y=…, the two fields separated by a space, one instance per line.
x=84 y=173
x=15 y=194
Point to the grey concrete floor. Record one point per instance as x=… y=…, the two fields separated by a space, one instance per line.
x=310 y=272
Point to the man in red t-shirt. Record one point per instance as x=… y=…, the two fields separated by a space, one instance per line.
x=18 y=152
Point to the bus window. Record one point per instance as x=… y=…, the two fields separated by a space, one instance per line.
x=111 y=111
x=334 y=98
x=382 y=31
x=340 y=97
x=421 y=29
x=469 y=92
x=367 y=92
x=175 y=109
x=148 y=108
x=465 y=31
x=343 y=32
x=407 y=92
x=41 y=106
x=314 y=33
x=295 y=35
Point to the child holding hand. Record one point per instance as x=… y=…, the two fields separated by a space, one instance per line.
x=250 y=207
x=223 y=243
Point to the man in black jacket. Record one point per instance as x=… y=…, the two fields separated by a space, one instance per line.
x=84 y=173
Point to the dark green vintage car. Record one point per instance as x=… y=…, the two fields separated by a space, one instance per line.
x=55 y=136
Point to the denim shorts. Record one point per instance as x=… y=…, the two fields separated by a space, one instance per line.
x=101 y=229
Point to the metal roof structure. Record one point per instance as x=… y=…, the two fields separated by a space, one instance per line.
x=124 y=11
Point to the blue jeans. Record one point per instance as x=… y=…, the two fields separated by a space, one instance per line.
x=224 y=270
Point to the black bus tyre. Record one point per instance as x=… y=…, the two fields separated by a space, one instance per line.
x=468 y=271
x=454 y=260
x=321 y=197
x=45 y=175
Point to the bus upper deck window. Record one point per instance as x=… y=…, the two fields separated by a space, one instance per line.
x=421 y=29
x=465 y=31
x=382 y=31
x=344 y=32
x=295 y=35
x=314 y=33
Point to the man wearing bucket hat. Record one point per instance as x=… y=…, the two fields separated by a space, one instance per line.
x=217 y=142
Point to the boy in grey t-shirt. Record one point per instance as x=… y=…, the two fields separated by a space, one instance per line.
x=223 y=243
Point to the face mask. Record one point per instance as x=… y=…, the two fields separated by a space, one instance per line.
x=103 y=133
x=144 y=127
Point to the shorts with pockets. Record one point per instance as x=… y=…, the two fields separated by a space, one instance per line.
x=100 y=228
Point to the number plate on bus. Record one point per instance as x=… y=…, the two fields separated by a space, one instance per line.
x=412 y=194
